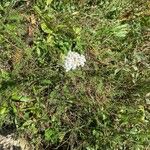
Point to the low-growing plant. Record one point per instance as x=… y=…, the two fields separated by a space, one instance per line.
x=100 y=106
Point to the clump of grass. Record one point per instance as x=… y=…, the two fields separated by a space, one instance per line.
x=105 y=104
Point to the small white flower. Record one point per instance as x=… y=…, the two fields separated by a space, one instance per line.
x=74 y=60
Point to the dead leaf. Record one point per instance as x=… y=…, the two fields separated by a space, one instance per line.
x=33 y=19
x=30 y=31
x=17 y=56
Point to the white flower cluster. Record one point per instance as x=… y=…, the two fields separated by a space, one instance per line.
x=74 y=60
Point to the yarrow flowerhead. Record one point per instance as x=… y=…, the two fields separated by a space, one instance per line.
x=74 y=60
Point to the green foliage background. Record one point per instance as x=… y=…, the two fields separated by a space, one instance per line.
x=106 y=104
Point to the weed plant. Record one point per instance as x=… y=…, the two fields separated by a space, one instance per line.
x=104 y=105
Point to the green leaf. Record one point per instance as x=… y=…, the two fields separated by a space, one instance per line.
x=77 y=30
x=48 y=2
x=116 y=71
x=120 y=30
x=3 y=110
x=50 y=39
x=46 y=81
x=4 y=74
x=20 y=98
x=1 y=8
x=38 y=52
x=45 y=28
x=50 y=135
x=61 y=136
